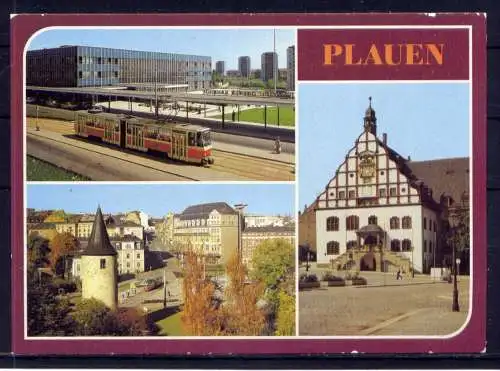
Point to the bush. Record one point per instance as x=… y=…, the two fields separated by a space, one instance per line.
x=359 y=281
x=306 y=278
x=329 y=277
x=63 y=286
x=352 y=275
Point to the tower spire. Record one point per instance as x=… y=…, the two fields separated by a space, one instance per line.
x=99 y=244
x=370 y=120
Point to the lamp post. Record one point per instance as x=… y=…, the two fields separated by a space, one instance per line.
x=455 y=307
x=37 y=127
x=164 y=288
x=308 y=249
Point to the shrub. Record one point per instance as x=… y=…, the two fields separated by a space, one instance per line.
x=329 y=277
x=63 y=286
x=304 y=277
x=352 y=275
x=359 y=281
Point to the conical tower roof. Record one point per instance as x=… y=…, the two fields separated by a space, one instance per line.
x=99 y=244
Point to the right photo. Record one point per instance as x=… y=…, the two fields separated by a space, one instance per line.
x=384 y=226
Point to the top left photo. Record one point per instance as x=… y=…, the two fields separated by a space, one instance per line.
x=158 y=104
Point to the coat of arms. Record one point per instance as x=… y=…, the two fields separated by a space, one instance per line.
x=367 y=166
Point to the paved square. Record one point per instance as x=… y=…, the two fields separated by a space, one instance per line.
x=412 y=306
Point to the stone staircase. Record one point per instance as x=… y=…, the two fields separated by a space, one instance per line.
x=393 y=261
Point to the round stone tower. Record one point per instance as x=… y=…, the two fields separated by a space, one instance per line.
x=99 y=272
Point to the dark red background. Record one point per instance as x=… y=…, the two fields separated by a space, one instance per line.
x=311 y=55
x=471 y=339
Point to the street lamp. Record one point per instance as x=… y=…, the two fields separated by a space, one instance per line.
x=308 y=249
x=455 y=307
x=37 y=126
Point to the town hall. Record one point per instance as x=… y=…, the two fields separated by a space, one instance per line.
x=382 y=211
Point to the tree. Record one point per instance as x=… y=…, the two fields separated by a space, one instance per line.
x=285 y=322
x=94 y=318
x=200 y=316
x=58 y=216
x=273 y=262
x=242 y=315
x=62 y=245
x=38 y=253
x=47 y=314
x=458 y=235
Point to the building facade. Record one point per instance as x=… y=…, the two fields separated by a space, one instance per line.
x=252 y=221
x=210 y=229
x=164 y=230
x=253 y=237
x=81 y=66
x=244 y=66
x=307 y=227
x=269 y=66
x=220 y=67
x=290 y=68
x=382 y=211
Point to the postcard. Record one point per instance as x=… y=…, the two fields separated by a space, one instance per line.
x=248 y=184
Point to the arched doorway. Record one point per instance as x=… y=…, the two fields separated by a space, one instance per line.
x=368 y=262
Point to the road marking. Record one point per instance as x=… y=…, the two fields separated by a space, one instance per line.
x=389 y=322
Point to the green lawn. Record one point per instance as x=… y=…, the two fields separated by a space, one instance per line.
x=171 y=326
x=287 y=116
x=38 y=170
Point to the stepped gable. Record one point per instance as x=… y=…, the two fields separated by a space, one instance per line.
x=449 y=176
x=99 y=244
x=202 y=211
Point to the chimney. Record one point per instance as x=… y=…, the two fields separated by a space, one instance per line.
x=384 y=138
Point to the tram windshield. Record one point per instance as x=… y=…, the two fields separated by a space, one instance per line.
x=204 y=138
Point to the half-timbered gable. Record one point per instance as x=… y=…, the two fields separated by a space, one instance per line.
x=375 y=201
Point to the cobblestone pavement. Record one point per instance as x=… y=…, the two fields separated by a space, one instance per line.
x=416 y=306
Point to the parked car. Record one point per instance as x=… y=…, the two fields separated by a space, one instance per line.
x=69 y=105
x=51 y=103
x=153 y=285
x=96 y=109
x=30 y=100
x=142 y=283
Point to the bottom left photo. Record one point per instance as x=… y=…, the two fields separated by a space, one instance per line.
x=160 y=260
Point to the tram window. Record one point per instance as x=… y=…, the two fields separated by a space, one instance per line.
x=117 y=126
x=191 y=139
x=129 y=130
x=204 y=139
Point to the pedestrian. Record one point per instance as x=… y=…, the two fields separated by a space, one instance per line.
x=398 y=275
x=233 y=115
x=277 y=144
x=168 y=293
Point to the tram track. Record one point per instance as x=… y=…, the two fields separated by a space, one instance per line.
x=265 y=169
x=243 y=165
x=183 y=177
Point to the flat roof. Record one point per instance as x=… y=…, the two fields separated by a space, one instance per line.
x=174 y=124
x=172 y=96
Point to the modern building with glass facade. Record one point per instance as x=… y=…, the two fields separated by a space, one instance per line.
x=269 y=65
x=220 y=67
x=82 y=66
x=244 y=66
x=290 y=67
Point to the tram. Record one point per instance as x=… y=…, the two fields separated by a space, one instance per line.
x=178 y=141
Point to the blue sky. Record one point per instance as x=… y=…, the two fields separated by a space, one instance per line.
x=226 y=45
x=425 y=121
x=159 y=199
